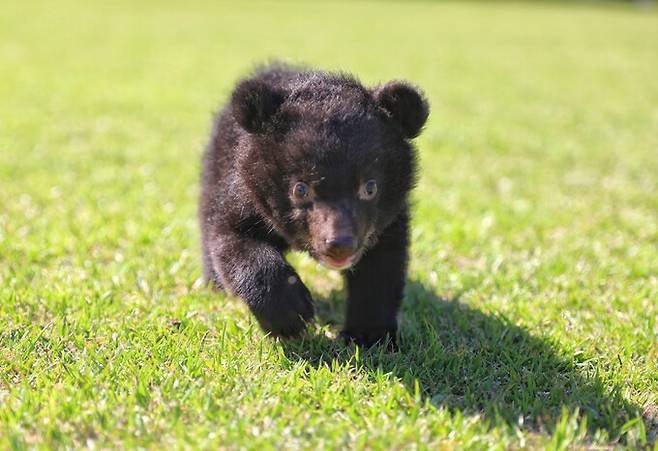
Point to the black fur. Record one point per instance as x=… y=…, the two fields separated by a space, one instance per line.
x=286 y=167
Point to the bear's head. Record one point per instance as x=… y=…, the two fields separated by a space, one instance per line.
x=327 y=161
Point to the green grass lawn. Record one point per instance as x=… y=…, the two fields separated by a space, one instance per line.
x=531 y=311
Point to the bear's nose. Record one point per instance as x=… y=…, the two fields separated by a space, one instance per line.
x=340 y=248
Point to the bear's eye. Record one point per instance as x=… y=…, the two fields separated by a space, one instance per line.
x=300 y=190
x=368 y=190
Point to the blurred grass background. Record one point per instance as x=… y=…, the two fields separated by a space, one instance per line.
x=530 y=318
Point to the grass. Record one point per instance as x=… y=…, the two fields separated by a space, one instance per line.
x=530 y=315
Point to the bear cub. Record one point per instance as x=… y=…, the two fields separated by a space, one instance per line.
x=312 y=161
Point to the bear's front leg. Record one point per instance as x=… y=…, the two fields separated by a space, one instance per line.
x=257 y=272
x=375 y=287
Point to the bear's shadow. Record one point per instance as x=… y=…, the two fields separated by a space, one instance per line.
x=477 y=363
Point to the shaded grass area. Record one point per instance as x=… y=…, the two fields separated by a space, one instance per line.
x=530 y=315
x=460 y=358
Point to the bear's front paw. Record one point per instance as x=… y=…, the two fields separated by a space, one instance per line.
x=370 y=337
x=284 y=310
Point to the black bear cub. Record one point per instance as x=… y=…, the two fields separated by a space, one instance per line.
x=314 y=161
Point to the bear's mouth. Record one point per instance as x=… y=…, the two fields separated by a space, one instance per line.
x=333 y=263
x=339 y=264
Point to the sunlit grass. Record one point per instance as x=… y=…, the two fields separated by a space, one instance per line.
x=530 y=316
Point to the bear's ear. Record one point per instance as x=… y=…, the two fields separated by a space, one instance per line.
x=254 y=104
x=405 y=105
